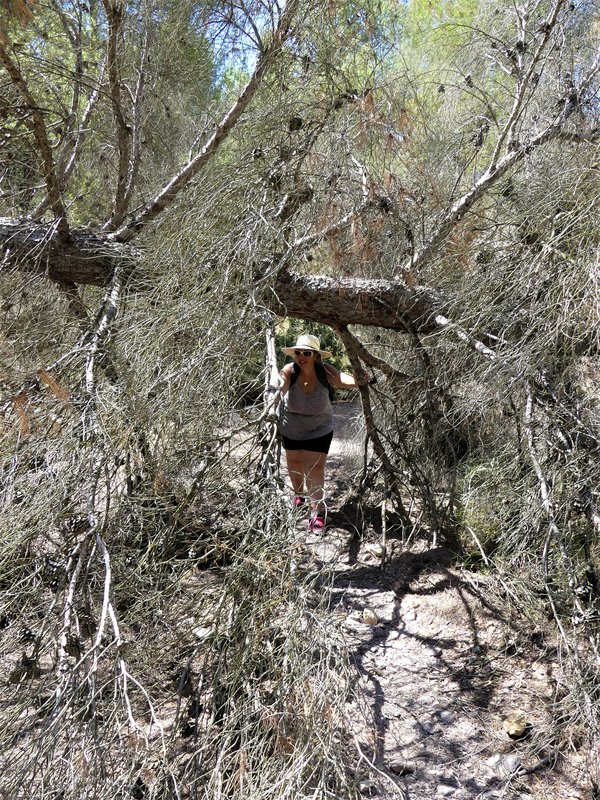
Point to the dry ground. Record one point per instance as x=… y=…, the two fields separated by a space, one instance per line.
x=442 y=663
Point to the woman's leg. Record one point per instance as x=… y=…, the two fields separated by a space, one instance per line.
x=313 y=465
x=295 y=467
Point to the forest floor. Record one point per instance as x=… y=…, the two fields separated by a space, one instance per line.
x=443 y=664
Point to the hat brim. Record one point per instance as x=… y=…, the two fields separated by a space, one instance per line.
x=289 y=351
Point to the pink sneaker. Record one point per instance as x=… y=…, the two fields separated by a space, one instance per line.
x=298 y=501
x=317 y=523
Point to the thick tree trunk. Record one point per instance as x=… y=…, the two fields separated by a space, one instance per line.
x=354 y=301
x=91 y=259
x=86 y=258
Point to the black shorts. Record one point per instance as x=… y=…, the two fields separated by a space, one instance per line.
x=319 y=445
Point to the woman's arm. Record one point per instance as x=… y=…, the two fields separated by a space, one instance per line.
x=285 y=376
x=341 y=380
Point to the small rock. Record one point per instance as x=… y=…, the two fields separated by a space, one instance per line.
x=369 y=617
x=428 y=727
x=516 y=724
x=376 y=550
x=445 y=791
x=367 y=787
x=511 y=764
x=494 y=761
x=401 y=767
x=410 y=616
x=433 y=774
x=447 y=717
x=540 y=671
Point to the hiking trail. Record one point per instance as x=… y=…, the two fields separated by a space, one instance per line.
x=447 y=671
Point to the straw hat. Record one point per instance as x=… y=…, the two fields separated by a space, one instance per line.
x=307 y=342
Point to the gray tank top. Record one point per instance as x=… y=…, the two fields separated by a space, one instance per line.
x=306 y=416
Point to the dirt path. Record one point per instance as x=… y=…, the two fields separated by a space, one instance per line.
x=442 y=667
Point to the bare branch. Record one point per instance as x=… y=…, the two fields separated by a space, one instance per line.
x=313 y=239
x=38 y=128
x=72 y=141
x=554 y=532
x=114 y=12
x=268 y=429
x=372 y=432
x=169 y=192
x=479 y=347
x=136 y=103
x=490 y=177
x=372 y=360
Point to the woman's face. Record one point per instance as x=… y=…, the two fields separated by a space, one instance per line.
x=305 y=357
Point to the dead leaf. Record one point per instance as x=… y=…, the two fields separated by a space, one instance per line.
x=20 y=405
x=368 y=104
x=57 y=390
x=21 y=9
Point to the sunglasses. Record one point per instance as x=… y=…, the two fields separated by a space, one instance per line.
x=305 y=353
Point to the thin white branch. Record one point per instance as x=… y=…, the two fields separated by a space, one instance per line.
x=313 y=239
x=103 y=321
x=554 y=533
x=136 y=103
x=444 y=323
x=524 y=80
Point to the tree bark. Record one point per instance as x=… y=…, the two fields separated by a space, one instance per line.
x=86 y=258
x=354 y=301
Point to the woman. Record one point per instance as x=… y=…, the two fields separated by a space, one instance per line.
x=307 y=420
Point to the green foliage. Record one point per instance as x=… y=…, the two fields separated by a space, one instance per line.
x=438 y=24
x=168 y=81
x=479 y=518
